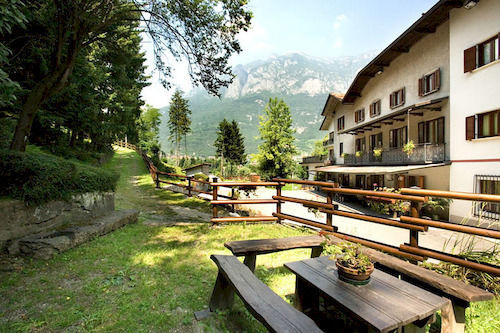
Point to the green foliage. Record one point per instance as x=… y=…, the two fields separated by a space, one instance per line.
x=301 y=172
x=230 y=143
x=275 y=157
x=319 y=148
x=201 y=176
x=399 y=207
x=148 y=128
x=348 y=255
x=179 y=122
x=409 y=147
x=377 y=152
x=36 y=177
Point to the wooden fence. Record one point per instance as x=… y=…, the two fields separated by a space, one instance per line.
x=414 y=223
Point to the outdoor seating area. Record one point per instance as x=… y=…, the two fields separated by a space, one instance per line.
x=400 y=295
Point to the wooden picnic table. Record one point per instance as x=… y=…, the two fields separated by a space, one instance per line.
x=386 y=303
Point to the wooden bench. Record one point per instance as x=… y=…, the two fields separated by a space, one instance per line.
x=459 y=293
x=251 y=248
x=267 y=307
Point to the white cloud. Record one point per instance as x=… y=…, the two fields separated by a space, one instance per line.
x=339 y=20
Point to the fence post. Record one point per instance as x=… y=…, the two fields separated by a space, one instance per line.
x=329 y=200
x=414 y=212
x=278 y=204
x=189 y=186
x=214 y=197
x=232 y=198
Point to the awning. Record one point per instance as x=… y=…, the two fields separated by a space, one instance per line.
x=376 y=169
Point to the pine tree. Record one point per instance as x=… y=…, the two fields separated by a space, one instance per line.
x=179 y=121
x=277 y=149
x=230 y=143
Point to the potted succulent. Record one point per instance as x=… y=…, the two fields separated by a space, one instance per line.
x=352 y=265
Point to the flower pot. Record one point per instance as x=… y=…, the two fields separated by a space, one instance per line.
x=353 y=276
x=254 y=177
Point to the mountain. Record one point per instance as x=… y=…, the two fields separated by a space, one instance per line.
x=302 y=81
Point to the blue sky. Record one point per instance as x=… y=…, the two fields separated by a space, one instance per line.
x=321 y=28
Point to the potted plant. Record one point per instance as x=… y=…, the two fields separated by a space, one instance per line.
x=352 y=266
x=377 y=153
x=359 y=153
x=344 y=155
x=409 y=148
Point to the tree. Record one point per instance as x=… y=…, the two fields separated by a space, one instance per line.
x=179 y=122
x=319 y=148
x=230 y=144
x=275 y=157
x=202 y=32
x=149 y=129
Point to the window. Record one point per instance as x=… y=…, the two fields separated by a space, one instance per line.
x=431 y=131
x=397 y=98
x=429 y=83
x=359 y=115
x=340 y=123
x=487 y=185
x=398 y=137
x=375 y=108
x=482 y=54
x=360 y=181
x=341 y=148
x=331 y=155
x=344 y=180
x=377 y=181
x=360 y=144
x=482 y=125
x=375 y=141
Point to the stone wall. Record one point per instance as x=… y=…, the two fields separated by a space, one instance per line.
x=18 y=221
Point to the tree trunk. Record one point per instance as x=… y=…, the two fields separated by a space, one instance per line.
x=37 y=96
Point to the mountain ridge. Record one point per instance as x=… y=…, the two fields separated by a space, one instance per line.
x=302 y=81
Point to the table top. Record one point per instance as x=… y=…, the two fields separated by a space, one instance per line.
x=385 y=303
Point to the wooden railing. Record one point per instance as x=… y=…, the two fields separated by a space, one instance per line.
x=414 y=223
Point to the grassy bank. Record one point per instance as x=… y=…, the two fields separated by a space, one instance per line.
x=150 y=279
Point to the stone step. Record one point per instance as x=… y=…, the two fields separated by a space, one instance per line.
x=46 y=245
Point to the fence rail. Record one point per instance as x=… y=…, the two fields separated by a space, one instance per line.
x=413 y=223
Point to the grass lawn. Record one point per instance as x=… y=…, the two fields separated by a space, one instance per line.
x=150 y=279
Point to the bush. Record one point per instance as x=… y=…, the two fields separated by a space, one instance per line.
x=37 y=177
x=201 y=176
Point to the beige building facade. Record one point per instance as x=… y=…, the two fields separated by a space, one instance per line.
x=406 y=119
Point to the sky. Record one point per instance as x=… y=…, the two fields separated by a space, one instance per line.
x=320 y=28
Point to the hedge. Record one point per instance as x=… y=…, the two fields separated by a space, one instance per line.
x=37 y=177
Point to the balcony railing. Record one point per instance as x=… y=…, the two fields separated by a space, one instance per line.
x=328 y=142
x=314 y=159
x=425 y=153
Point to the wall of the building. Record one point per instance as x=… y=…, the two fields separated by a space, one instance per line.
x=472 y=93
x=437 y=178
x=430 y=53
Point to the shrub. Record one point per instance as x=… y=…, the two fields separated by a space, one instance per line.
x=37 y=177
x=201 y=176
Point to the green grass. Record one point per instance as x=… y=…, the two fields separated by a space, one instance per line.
x=150 y=279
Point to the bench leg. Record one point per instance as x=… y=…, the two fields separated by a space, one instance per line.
x=452 y=318
x=222 y=295
x=250 y=260
x=316 y=251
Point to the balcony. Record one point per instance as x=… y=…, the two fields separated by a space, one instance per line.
x=313 y=159
x=422 y=154
x=328 y=142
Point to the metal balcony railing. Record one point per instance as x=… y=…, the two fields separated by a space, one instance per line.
x=424 y=153
x=314 y=159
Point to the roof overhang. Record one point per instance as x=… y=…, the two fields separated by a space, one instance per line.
x=329 y=109
x=373 y=170
x=425 y=25
x=433 y=105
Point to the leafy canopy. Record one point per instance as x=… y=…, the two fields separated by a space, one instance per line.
x=275 y=157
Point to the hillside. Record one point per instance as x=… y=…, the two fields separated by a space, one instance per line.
x=303 y=82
